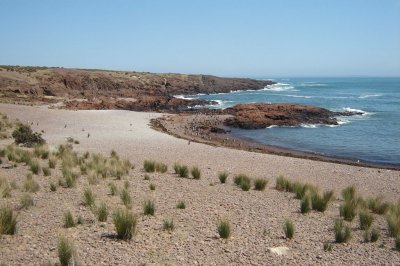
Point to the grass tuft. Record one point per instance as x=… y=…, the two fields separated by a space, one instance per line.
x=34 y=167
x=320 y=203
x=377 y=205
x=30 y=185
x=152 y=187
x=260 y=184
x=113 y=189
x=196 y=173
x=224 y=229
x=349 y=193
x=222 y=177
x=88 y=197
x=46 y=171
x=243 y=181
x=26 y=201
x=68 y=219
x=181 y=205
x=126 y=198
x=8 y=221
x=366 y=220
x=348 y=210
x=288 y=228
x=125 y=224
x=168 y=225
x=148 y=208
x=342 y=232
x=283 y=184
x=161 y=167
x=305 y=204
x=181 y=170
x=66 y=252
x=102 y=212
x=149 y=166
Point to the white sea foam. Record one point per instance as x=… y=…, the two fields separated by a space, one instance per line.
x=348 y=109
x=369 y=96
x=313 y=84
x=279 y=87
x=183 y=97
x=298 y=96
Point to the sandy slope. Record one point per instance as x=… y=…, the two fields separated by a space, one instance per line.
x=257 y=217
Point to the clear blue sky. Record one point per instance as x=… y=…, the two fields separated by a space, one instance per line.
x=221 y=37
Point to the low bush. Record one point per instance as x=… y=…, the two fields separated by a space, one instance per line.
x=342 y=232
x=222 y=177
x=8 y=221
x=148 y=208
x=260 y=184
x=23 y=134
x=181 y=170
x=224 y=229
x=125 y=224
x=168 y=225
x=288 y=228
x=52 y=162
x=371 y=235
x=393 y=221
x=196 y=173
x=5 y=188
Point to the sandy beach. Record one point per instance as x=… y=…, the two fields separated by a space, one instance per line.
x=256 y=217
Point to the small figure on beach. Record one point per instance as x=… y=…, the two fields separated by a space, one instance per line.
x=65 y=126
x=188 y=142
x=88 y=135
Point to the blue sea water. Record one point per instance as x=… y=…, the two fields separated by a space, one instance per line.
x=372 y=137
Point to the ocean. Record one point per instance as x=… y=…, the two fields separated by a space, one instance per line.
x=373 y=137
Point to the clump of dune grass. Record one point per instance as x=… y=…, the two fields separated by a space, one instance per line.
x=53 y=186
x=377 y=205
x=288 y=228
x=243 y=181
x=348 y=210
x=181 y=205
x=371 y=235
x=283 y=184
x=168 y=225
x=146 y=177
x=148 y=207
x=66 y=252
x=5 y=188
x=30 y=185
x=149 y=166
x=224 y=229
x=8 y=221
x=152 y=187
x=46 y=171
x=34 y=167
x=113 y=189
x=52 y=162
x=126 y=198
x=365 y=219
x=161 y=167
x=260 y=184
x=26 y=201
x=393 y=221
x=196 y=173
x=102 y=212
x=301 y=190
x=320 y=202
x=222 y=176
x=88 y=197
x=305 y=204
x=68 y=219
x=181 y=170
x=125 y=224
x=349 y=193
x=342 y=232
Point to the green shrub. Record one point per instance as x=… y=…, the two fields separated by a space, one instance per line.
x=149 y=166
x=288 y=228
x=349 y=193
x=30 y=185
x=126 y=198
x=348 y=210
x=68 y=219
x=23 y=134
x=46 y=171
x=260 y=184
x=196 y=173
x=222 y=177
x=181 y=205
x=113 y=189
x=35 y=167
x=66 y=252
x=342 y=232
x=152 y=187
x=283 y=184
x=53 y=187
x=305 y=204
x=8 y=221
x=125 y=224
x=224 y=229
x=102 y=212
x=26 y=201
x=366 y=220
x=88 y=197
x=320 y=203
x=148 y=208
x=377 y=205
x=168 y=225
x=161 y=167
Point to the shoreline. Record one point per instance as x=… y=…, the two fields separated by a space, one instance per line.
x=178 y=126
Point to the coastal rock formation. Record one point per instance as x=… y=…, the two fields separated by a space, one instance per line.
x=262 y=115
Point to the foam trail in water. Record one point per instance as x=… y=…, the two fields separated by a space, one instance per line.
x=369 y=96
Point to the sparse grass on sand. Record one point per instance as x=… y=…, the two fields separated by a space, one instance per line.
x=30 y=185
x=365 y=219
x=113 y=189
x=393 y=220
x=168 y=225
x=222 y=176
x=283 y=184
x=320 y=202
x=181 y=170
x=224 y=229
x=181 y=205
x=8 y=221
x=243 y=181
x=196 y=173
x=149 y=166
x=378 y=205
x=260 y=184
x=125 y=224
x=148 y=207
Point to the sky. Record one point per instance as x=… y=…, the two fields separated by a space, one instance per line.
x=246 y=38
